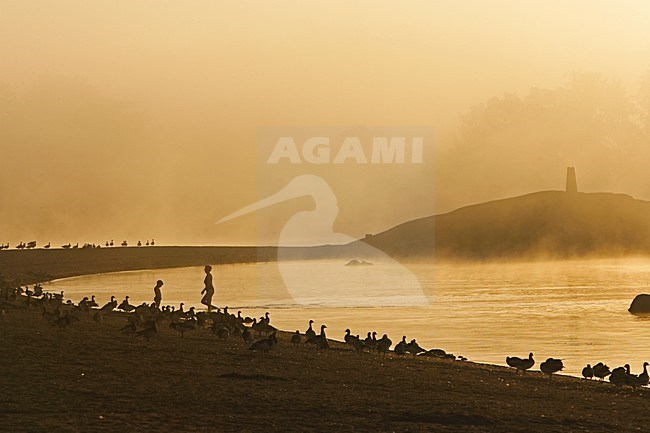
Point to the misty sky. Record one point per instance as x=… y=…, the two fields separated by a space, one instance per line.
x=139 y=119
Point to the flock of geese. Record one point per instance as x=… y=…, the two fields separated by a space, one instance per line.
x=144 y=321
x=32 y=244
x=619 y=376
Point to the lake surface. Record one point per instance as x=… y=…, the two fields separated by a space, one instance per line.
x=575 y=310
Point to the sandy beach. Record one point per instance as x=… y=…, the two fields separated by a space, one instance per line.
x=91 y=377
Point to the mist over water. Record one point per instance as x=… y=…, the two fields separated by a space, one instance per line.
x=573 y=310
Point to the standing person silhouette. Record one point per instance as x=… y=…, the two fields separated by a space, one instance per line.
x=208 y=289
x=157 y=294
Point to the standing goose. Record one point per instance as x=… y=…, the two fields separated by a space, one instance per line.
x=310 y=333
x=321 y=340
x=522 y=364
x=262 y=327
x=125 y=306
x=588 y=372
x=349 y=338
x=296 y=338
x=384 y=344
x=550 y=366
x=182 y=327
x=110 y=306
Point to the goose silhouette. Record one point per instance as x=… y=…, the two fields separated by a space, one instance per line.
x=391 y=284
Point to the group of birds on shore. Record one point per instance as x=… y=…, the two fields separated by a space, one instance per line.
x=144 y=320
x=69 y=246
x=619 y=376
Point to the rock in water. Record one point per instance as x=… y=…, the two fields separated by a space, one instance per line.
x=640 y=304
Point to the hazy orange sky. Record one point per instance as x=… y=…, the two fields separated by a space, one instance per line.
x=140 y=119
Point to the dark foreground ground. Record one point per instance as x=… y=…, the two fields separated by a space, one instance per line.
x=91 y=378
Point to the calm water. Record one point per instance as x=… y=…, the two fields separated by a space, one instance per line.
x=576 y=311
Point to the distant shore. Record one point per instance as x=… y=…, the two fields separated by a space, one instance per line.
x=32 y=266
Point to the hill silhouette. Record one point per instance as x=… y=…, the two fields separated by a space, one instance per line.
x=546 y=224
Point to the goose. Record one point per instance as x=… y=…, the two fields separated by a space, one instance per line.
x=310 y=333
x=66 y=246
x=601 y=371
x=75 y=246
x=139 y=243
x=107 y=245
x=296 y=338
x=550 y=366
x=110 y=306
x=358 y=344
x=125 y=306
x=182 y=327
x=349 y=338
x=522 y=364
x=265 y=344
x=148 y=332
x=414 y=348
x=632 y=379
x=400 y=348
x=588 y=372
x=84 y=305
x=92 y=303
x=262 y=327
x=266 y=318
x=383 y=344
x=111 y=244
x=47 y=246
x=125 y=243
x=619 y=376
x=321 y=340
x=247 y=320
x=147 y=244
x=370 y=343
x=153 y=242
